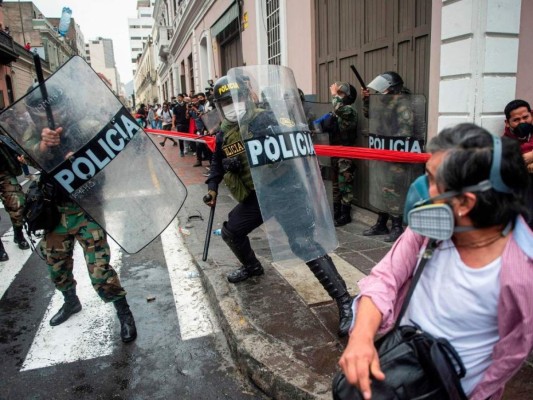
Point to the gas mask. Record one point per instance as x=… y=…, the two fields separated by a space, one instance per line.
x=437 y=221
x=417 y=193
x=523 y=130
x=235 y=111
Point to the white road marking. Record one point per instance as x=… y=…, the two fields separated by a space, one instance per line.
x=194 y=313
x=89 y=334
x=9 y=269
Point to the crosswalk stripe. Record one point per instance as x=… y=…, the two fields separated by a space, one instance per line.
x=194 y=313
x=9 y=269
x=86 y=335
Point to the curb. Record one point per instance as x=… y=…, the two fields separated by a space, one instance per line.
x=268 y=363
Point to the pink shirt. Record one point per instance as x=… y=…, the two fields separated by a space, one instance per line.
x=389 y=281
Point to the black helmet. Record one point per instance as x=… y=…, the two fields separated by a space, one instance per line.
x=225 y=88
x=388 y=81
x=349 y=91
x=57 y=100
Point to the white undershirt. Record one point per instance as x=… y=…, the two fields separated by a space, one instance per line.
x=459 y=303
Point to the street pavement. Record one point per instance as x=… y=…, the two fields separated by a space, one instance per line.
x=281 y=327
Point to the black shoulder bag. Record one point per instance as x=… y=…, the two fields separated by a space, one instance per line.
x=416 y=365
x=40 y=211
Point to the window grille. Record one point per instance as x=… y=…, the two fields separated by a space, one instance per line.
x=273 y=34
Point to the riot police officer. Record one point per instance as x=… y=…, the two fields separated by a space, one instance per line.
x=343 y=95
x=234 y=99
x=50 y=147
x=400 y=119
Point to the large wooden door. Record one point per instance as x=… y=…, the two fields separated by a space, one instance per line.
x=375 y=36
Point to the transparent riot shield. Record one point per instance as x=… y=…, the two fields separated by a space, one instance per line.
x=396 y=122
x=212 y=121
x=315 y=114
x=105 y=162
x=283 y=162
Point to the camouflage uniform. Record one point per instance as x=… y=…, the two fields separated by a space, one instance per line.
x=58 y=248
x=343 y=167
x=10 y=191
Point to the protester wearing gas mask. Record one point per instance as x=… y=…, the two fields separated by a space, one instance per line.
x=477 y=287
x=519 y=126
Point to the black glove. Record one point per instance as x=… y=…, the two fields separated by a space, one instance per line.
x=210 y=198
x=232 y=164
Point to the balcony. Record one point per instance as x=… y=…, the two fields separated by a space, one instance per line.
x=163 y=51
x=7 y=49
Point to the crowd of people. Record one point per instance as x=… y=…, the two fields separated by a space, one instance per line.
x=183 y=114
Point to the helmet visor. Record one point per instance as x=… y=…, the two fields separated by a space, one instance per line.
x=379 y=84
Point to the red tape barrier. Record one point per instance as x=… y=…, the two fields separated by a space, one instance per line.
x=361 y=153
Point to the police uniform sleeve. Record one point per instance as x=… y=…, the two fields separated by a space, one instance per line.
x=216 y=173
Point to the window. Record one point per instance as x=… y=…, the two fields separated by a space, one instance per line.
x=274 y=48
x=147 y=26
x=146 y=15
x=136 y=38
x=135 y=26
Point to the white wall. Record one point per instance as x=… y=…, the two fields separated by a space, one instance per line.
x=478 y=61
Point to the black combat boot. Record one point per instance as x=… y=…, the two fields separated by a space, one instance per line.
x=336 y=211
x=396 y=229
x=3 y=254
x=380 y=227
x=327 y=275
x=20 y=239
x=71 y=306
x=240 y=246
x=128 y=331
x=345 y=217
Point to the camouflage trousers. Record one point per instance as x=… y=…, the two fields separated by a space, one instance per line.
x=342 y=180
x=13 y=198
x=58 y=248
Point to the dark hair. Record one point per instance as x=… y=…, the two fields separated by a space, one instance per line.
x=470 y=163
x=201 y=94
x=513 y=105
x=450 y=138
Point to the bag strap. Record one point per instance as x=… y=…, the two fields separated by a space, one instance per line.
x=445 y=360
x=426 y=256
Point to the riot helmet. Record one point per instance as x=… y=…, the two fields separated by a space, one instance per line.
x=226 y=91
x=387 y=82
x=350 y=93
x=57 y=100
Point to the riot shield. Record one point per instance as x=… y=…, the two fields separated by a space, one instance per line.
x=105 y=162
x=212 y=121
x=283 y=163
x=315 y=113
x=396 y=122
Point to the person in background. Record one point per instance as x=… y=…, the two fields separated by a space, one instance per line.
x=179 y=120
x=519 y=126
x=150 y=118
x=195 y=112
x=140 y=115
x=166 y=117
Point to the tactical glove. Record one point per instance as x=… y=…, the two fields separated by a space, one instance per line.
x=210 y=198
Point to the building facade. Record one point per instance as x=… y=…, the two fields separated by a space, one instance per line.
x=469 y=58
x=100 y=55
x=140 y=29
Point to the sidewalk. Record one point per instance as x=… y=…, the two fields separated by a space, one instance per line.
x=281 y=327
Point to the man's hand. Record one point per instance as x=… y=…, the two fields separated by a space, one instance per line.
x=50 y=138
x=210 y=198
x=334 y=89
x=365 y=93
x=528 y=158
x=22 y=160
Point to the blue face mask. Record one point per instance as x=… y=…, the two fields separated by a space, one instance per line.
x=437 y=221
x=418 y=192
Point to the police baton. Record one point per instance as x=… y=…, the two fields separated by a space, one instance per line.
x=44 y=93
x=207 y=199
x=358 y=76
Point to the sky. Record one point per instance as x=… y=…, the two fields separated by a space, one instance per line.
x=100 y=18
